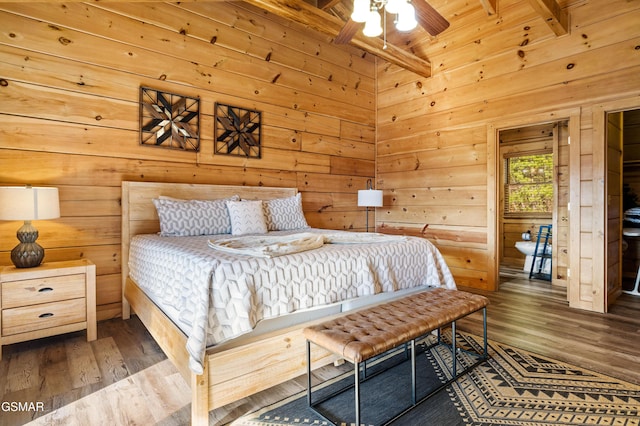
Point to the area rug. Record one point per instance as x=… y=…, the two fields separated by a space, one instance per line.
x=512 y=387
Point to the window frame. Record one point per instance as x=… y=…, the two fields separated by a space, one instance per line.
x=505 y=184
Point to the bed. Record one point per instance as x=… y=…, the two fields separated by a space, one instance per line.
x=234 y=356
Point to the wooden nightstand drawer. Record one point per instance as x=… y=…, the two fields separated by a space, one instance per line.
x=45 y=315
x=50 y=299
x=42 y=290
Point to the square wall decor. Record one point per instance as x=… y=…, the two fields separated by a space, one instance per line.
x=237 y=131
x=169 y=120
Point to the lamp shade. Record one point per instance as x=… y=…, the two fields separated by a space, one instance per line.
x=29 y=203
x=406 y=17
x=370 y=198
x=393 y=6
x=373 y=25
x=361 y=10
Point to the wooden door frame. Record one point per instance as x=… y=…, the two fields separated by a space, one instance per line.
x=600 y=112
x=493 y=176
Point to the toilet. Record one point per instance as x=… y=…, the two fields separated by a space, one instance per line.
x=527 y=248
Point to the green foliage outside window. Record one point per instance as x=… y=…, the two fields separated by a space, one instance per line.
x=529 y=184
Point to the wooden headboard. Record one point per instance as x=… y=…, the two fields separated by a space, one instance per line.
x=139 y=214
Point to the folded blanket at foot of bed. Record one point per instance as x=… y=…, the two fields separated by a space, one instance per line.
x=279 y=245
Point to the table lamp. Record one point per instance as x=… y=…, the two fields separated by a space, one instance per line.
x=369 y=198
x=28 y=203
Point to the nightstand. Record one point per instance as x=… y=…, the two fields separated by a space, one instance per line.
x=50 y=299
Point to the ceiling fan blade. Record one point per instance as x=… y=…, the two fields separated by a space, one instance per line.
x=429 y=18
x=347 y=32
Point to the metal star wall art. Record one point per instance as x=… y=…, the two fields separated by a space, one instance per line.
x=237 y=131
x=168 y=120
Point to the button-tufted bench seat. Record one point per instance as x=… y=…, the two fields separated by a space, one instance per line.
x=363 y=334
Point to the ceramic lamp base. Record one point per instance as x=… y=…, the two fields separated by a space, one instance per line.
x=28 y=253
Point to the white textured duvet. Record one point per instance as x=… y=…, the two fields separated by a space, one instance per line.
x=220 y=295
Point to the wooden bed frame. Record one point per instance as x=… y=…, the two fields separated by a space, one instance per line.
x=232 y=370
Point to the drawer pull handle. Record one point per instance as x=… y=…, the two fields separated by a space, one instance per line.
x=47 y=315
x=45 y=289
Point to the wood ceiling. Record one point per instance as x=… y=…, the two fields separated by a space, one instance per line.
x=402 y=49
x=329 y=17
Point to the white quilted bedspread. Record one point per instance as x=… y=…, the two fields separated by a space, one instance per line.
x=220 y=295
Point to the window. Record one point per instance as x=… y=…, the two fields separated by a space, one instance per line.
x=528 y=184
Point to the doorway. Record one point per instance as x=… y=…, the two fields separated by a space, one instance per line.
x=623 y=206
x=533 y=189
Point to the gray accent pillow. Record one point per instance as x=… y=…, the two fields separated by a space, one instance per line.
x=284 y=214
x=193 y=217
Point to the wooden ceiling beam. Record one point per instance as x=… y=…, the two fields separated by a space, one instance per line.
x=553 y=15
x=489 y=6
x=327 y=4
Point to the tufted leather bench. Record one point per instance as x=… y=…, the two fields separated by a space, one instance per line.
x=369 y=332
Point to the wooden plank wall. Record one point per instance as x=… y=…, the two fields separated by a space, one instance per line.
x=434 y=161
x=69 y=84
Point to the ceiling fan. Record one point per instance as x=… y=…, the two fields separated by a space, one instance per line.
x=427 y=17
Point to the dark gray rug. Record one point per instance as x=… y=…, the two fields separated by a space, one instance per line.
x=513 y=387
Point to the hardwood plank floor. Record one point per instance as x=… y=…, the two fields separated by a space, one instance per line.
x=124 y=378
x=533 y=315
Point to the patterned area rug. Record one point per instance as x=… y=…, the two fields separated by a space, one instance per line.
x=513 y=387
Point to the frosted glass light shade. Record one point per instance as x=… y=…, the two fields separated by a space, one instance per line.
x=370 y=198
x=361 y=9
x=373 y=26
x=393 y=6
x=406 y=17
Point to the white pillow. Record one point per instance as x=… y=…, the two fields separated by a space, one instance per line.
x=284 y=214
x=182 y=218
x=247 y=217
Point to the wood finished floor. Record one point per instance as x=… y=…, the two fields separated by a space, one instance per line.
x=124 y=378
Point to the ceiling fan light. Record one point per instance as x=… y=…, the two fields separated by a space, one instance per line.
x=373 y=25
x=393 y=6
x=361 y=9
x=406 y=20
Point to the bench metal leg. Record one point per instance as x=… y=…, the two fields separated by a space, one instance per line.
x=484 y=331
x=309 y=373
x=357 y=391
x=453 y=349
x=413 y=372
